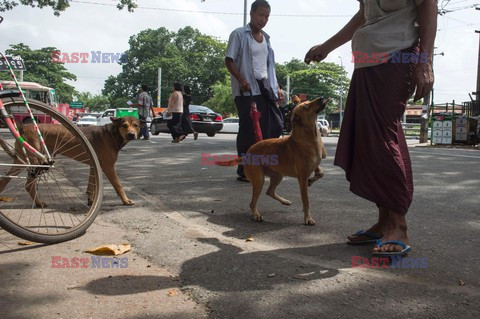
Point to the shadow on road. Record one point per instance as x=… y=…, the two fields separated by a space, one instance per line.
x=228 y=269
x=14 y=302
x=128 y=285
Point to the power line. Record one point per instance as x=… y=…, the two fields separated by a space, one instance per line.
x=219 y=12
x=443 y=11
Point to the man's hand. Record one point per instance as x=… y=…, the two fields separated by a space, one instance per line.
x=316 y=53
x=280 y=95
x=423 y=78
x=245 y=85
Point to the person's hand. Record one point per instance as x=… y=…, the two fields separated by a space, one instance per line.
x=245 y=85
x=169 y=114
x=316 y=53
x=423 y=78
x=280 y=96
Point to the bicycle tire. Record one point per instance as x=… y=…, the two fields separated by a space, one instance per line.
x=72 y=197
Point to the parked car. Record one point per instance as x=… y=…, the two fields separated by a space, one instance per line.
x=87 y=121
x=204 y=120
x=324 y=127
x=119 y=112
x=230 y=125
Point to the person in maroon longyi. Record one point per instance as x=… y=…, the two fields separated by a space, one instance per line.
x=372 y=148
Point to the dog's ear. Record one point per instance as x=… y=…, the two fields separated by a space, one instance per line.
x=296 y=100
x=116 y=120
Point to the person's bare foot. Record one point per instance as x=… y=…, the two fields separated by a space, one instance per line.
x=378 y=229
x=375 y=230
x=396 y=230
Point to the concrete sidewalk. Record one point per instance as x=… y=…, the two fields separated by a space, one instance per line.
x=31 y=288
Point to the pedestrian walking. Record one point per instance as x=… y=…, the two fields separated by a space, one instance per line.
x=187 y=126
x=175 y=110
x=145 y=110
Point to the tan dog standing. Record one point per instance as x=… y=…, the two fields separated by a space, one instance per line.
x=298 y=156
x=107 y=141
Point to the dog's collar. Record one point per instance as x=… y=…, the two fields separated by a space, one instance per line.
x=117 y=138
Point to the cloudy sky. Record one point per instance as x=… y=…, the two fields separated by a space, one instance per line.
x=294 y=26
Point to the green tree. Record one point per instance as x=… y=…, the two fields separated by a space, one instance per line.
x=186 y=56
x=42 y=70
x=93 y=102
x=222 y=99
x=317 y=79
x=57 y=5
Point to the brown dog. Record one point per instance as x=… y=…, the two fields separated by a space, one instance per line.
x=297 y=155
x=107 y=141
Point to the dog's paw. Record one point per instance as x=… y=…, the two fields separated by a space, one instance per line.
x=128 y=202
x=258 y=218
x=40 y=205
x=309 y=222
x=286 y=202
x=315 y=178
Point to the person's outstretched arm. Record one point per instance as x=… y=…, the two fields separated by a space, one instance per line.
x=427 y=20
x=319 y=52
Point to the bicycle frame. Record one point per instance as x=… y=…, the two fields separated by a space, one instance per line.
x=14 y=129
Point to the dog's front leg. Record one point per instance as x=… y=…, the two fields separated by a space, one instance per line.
x=113 y=178
x=31 y=187
x=91 y=187
x=14 y=171
x=303 y=182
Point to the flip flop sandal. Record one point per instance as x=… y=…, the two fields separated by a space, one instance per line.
x=405 y=247
x=242 y=179
x=372 y=238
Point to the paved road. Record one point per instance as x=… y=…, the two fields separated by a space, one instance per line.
x=192 y=220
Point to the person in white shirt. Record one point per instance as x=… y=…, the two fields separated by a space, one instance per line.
x=175 y=109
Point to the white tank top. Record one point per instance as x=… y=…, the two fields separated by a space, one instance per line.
x=259 y=56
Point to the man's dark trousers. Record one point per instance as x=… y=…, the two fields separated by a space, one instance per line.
x=144 y=129
x=270 y=122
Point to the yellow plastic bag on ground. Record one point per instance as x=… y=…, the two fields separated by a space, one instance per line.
x=110 y=250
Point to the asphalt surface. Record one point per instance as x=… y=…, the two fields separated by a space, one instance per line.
x=191 y=221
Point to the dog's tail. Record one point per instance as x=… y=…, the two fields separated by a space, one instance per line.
x=233 y=162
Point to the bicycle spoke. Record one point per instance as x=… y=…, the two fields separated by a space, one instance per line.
x=62 y=189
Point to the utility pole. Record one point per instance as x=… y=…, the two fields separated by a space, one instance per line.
x=245 y=13
x=288 y=88
x=478 y=68
x=426 y=110
x=341 y=93
x=159 y=87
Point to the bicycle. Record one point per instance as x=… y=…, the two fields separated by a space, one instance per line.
x=46 y=194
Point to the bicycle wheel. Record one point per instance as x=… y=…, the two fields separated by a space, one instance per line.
x=50 y=202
